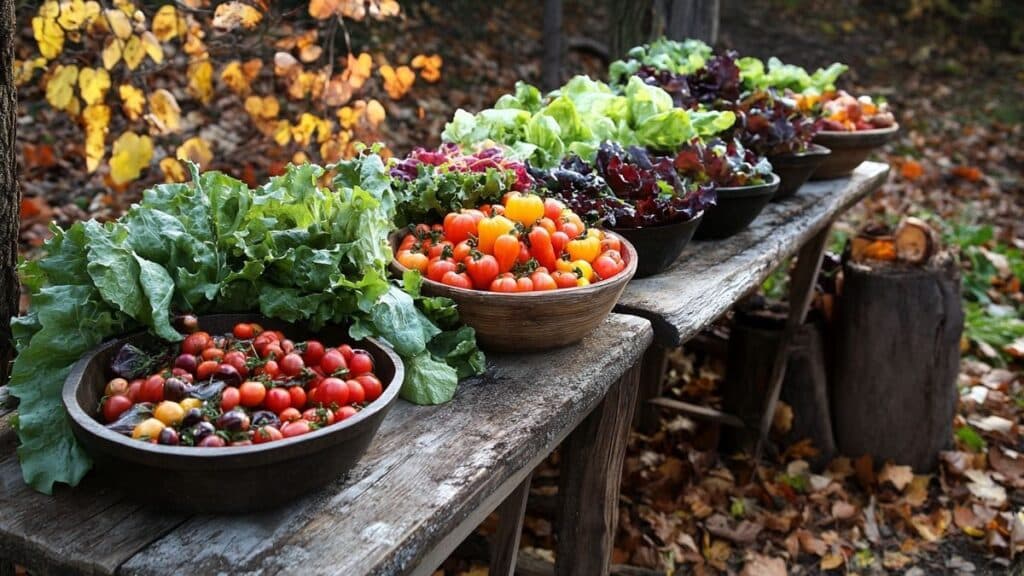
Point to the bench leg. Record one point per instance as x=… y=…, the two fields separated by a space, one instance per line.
x=588 y=489
x=801 y=290
x=6 y=567
x=505 y=548
x=652 y=369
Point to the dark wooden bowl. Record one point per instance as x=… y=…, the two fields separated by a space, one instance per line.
x=736 y=208
x=233 y=478
x=796 y=168
x=533 y=321
x=849 y=149
x=658 y=247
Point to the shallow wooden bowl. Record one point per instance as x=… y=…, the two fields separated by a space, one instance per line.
x=849 y=149
x=229 y=479
x=533 y=321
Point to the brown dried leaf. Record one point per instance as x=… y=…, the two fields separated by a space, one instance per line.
x=832 y=561
x=760 y=565
x=810 y=544
x=898 y=476
x=896 y=560
x=843 y=510
x=931 y=527
x=744 y=533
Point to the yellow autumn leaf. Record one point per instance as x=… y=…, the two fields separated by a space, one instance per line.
x=310 y=53
x=230 y=15
x=72 y=15
x=375 y=112
x=323 y=9
x=97 y=121
x=60 y=90
x=172 y=169
x=200 y=80
x=93 y=83
x=238 y=77
x=133 y=53
x=429 y=66
x=197 y=150
x=337 y=92
x=334 y=149
x=164 y=113
x=167 y=23
x=152 y=47
x=348 y=117
x=264 y=108
x=381 y=9
x=194 y=45
x=111 y=53
x=282 y=133
x=397 y=81
x=130 y=155
x=49 y=36
x=132 y=101
x=24 y=71
x=302 y=132
x=358 y=70
x=49 y=10
x=118 y=22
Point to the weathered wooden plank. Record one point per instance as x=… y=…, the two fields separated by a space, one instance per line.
x=88 y=530
x=699 y=412
x=588 y=486
x=505 y=547
x=711 y=276
x=652 y=371
x=427 y=479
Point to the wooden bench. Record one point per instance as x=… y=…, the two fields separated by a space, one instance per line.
x=433 y=473
x=712 y=276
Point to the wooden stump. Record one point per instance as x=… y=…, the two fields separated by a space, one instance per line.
x=753 y=344
x=897 y=359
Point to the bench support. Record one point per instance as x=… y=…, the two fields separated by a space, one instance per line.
x=588 y=489
x=652 y=370
x=505 y=548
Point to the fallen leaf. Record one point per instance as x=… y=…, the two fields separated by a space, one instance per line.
x=200 y=80
x=871 y=531
x=1009 y=464
x=130 y=155
x=992 y=424
x=230 y=15
x=93 y=84
x=917 y=493
x=197 y=150
x=397 y=81
x=896 y=560
x=60 y=89
x=744 y=533
x=843 y=510
x=167 y=23
x=133 y=100
x=164 y=113
x=969 y=173
x=810 y=544
x=933 y=526
x=985 y=489
x=898 y=476
x=118 y=23
x=760 y=565
x=831 y=562
x=911 y=169
x=968 y=522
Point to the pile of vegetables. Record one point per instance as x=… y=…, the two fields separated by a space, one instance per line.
x=523 y=244
x=251 y=386
x=292 y=249
x=842 y=112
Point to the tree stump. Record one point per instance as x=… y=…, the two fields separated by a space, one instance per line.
x=753 y=343
x=897 y=359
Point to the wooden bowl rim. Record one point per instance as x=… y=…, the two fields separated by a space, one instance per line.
x=93 y=427
x=840 y=139
x=553 y=296
x=872 y=132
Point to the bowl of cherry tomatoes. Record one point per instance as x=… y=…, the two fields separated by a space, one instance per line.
x=852 y=128
x=527 y=274
x=245 y=413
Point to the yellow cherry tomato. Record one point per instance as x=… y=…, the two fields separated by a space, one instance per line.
x=524 y=208
x=586 y=248
x=583 y=269
x=489 y=229
x=190 y=403
x=148 y=429
x=168 y=412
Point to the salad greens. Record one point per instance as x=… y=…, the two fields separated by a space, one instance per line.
x=683 y=57
x=782 y=76
x=290 y=249
x=581 y=115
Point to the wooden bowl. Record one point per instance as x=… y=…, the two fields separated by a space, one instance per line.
x=533 y=321
x=233 y=478
x=796 y=168
x=849 y=149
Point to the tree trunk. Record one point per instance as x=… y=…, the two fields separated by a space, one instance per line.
x=897 y=359
x=633 y=22
x=10 y=198
x=551 y=65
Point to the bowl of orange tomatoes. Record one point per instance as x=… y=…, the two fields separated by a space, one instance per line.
x=527 y=273
x=852 y=128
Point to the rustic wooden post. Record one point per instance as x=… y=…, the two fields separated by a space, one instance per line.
x=551 y=65
x=10 y=198
x=897 y=359
x=633 y=22
x=652 y=370
x=505 y=548
x=588 y=489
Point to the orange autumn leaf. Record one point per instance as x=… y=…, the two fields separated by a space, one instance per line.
x=358 y=70
x=397 y=81
x=969 y=173
x=231 y=15
x=429 y=66
x=911 y=170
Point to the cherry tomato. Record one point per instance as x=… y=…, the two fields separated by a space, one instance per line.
x=152 y=389
x=477 y=215
x=236 y=358
x=459 y=226
x=296 y=428
x=212 y=354
x=438 y=268
x=298 y=396
x=346 y=351
x=438 y=250
x=506 y=252
x=547 y=224
x=605 y=267
x=170 y=413
x=361 y=363
x=116 y=387
x=243 y=331
x=570 y=230
x=524 y=284
x=333 y=391
x=462 y=249
x=356 y=394
x=553 y=209
x=313 y=353
x=524 y=253
x=278 y=399
x=344 y=412
x=413 y=260
x=543 y=281
x=273 y=351
x=212 y=441
x=507 y=283
x=564 y=279
x=206 y=369
x=195 y=343
x=270 y=368
x=114 y=406
x=610 y=242
x=290 y=415
x=457 y=279
x=229 y=398
x=288 y=346
x=332 y=362
x=265 y=434
x=292 y=364
x=482 y=268
x=319 y=416
x=372 y=387
x=135 y=390
x=251 y=393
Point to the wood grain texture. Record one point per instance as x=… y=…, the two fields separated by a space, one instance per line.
x=429 y=475
x=588 y=486
x=897 y=361
x=10 y=195
x=652 y=370
x=505 y=547
x=710 y=276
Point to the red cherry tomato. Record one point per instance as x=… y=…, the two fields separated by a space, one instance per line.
x=459 y=226
x=462 y=249
x=289 y=415
x=564 y=279
x=237 y=359
x=292 y=364
x=524 y=284
x=135 y=390
x=356 y=394
x=610 y=242
x=605 y=267
x=506 y=251
x=558 y=241
x=152 y=389
x=295 y=428
x=319 y=416
x=251 y=393
x=372 y=387
x=524 y=253
x=413 y=260
x=212 y=354
x=553 y=209
x=505 y=283
x=206 y=369
x=482 y=269
x=273 y=351
x=243 y=331
x=543 y=281
x=344 y=412
x=456 y=279
x=114 y=406
x=361 y=363
x=270 y=368
x=265 y=434
x=333 y=391
x=332 y=362
x=229 y=398
x=438 y=268
x=298 y=396
x=346 y=351
x=278 y=400
x=313 y=353
x=195 y=343
x=438 y=250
